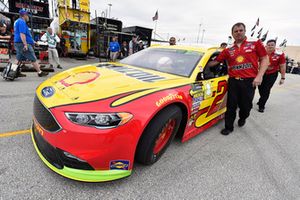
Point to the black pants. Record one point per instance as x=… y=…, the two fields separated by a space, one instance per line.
x=265 y=88
x=240 y=94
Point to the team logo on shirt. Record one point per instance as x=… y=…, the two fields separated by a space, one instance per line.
x=240 y=59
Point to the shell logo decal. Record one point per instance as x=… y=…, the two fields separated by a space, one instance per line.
x=239 y=59
x=79 y=78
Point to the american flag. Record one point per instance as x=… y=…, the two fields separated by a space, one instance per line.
x=155 y=16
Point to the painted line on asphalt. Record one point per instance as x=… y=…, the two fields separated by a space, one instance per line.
x=14 y=133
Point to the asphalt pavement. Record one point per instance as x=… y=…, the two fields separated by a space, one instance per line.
x=258 y=161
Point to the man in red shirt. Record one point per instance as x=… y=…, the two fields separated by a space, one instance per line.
x=247 y=62
x=277 y=63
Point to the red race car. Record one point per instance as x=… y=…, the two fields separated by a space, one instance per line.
x=91 y=123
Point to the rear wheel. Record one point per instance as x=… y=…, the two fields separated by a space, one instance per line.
x=158 y=135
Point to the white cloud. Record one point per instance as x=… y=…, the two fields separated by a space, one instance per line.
x=182 y=18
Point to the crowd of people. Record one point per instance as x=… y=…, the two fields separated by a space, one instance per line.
x=24 y=43
x=115 y=50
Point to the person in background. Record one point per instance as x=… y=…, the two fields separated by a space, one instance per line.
x=133 y=46
x=124 y=50
x=247 y=62
x=4 y=34
x=223 y=45
x=277 y=63
x=114 y=49
x=172 y=41
x=141 y=45
x=23 y=43
x=52 y=39
x=74 y=4
x=63 y=47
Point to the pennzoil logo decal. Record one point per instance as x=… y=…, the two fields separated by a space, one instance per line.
x=170 y=97
x=80 y=78
x=119 y=164
x=136 y=73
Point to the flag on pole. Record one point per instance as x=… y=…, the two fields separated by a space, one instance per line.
x=253 y=28
x=283 y=44
x=155 y=16
x=264 y=37
x=259 y=33
x=257 y=22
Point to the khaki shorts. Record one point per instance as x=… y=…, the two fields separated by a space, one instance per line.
x=114 y=55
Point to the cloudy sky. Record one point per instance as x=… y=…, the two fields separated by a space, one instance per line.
x=182 y=18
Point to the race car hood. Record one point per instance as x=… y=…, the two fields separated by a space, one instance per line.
x=101 y=81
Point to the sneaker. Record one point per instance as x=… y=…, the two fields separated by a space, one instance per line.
x=261 y=110
x=241 y=122
x=226 y=131
x=42 y=74
x=59 y=67
x=50 y=66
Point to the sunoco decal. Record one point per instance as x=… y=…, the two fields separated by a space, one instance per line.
x=119 y=164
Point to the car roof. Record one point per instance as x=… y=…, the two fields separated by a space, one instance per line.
x=200 y=49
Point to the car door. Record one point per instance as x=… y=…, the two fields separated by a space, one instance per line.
x=209 y=95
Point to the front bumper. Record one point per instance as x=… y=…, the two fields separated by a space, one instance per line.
x=89 y=175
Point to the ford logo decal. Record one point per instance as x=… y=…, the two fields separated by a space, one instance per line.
x=48 y=92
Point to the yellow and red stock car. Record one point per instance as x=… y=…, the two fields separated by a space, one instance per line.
x=91 y=123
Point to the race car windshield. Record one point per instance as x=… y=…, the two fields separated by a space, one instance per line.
x=173 y=61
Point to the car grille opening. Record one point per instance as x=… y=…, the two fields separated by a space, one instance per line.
x=44 y=117
x=55 y=156
x=47 y=150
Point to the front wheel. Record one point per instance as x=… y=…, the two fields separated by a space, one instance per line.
x=158 y=135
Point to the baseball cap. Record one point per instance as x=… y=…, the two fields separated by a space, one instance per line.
x=23 y=12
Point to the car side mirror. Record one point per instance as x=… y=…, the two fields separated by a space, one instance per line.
x=200 y=76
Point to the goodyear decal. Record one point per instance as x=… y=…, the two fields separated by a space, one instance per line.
x=170 y=97
x=136 y=73
x=119 y=164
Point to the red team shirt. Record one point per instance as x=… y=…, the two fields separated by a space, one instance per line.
x=243 y=61
x=275 y=59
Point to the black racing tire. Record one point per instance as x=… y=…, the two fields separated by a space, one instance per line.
x=145 y=153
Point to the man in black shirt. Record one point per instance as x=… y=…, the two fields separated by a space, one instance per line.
x=124 y=50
